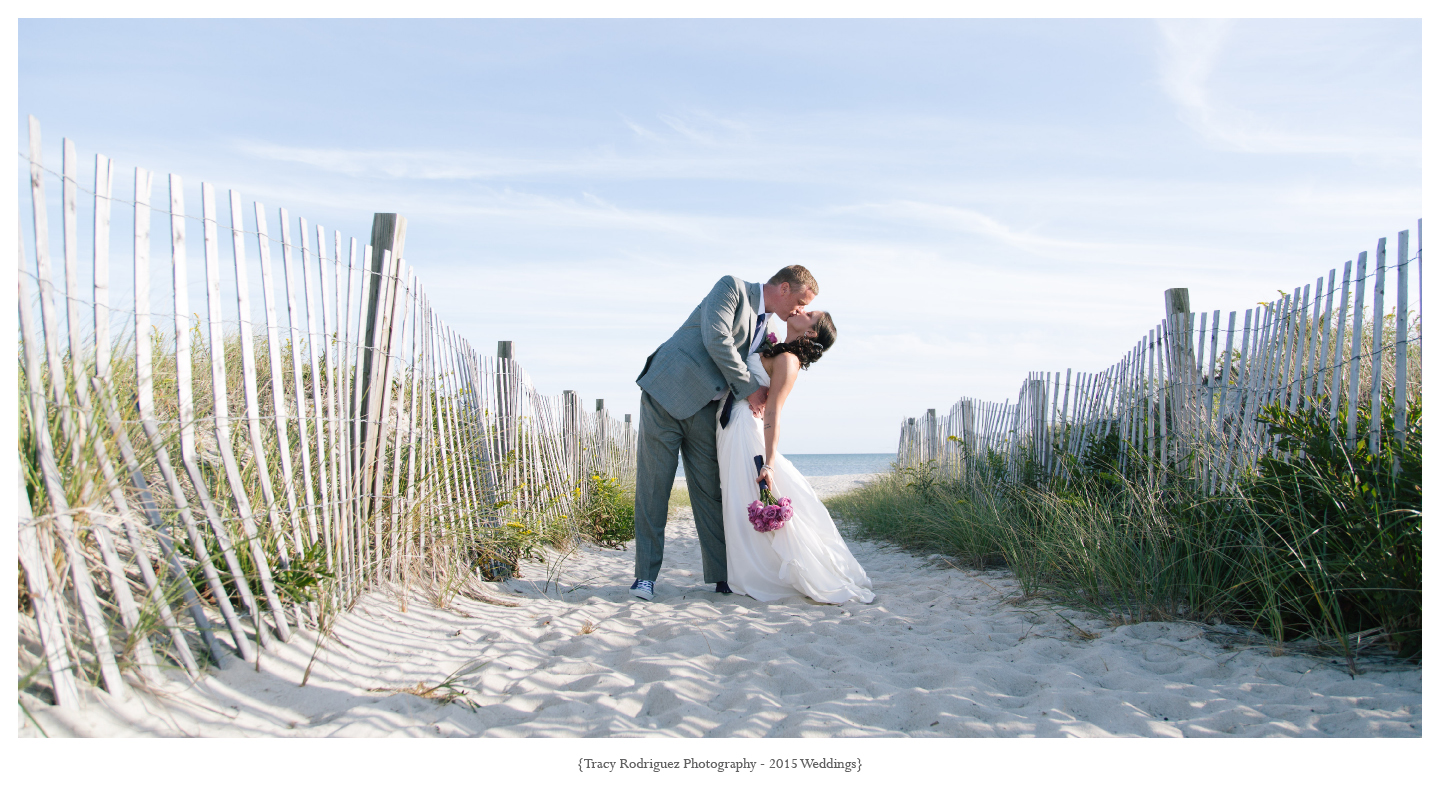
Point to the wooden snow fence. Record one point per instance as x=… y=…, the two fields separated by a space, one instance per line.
x=1184 y=401
x=213 y=451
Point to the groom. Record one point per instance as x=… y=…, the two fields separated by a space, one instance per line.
x=683 y=384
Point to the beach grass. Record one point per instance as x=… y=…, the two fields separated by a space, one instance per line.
x=1320 y=542
x=679 y=497
x=438 y=540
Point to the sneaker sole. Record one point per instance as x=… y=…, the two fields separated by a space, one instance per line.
x=642 y=595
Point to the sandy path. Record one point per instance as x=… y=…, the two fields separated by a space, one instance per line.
x=939 y=653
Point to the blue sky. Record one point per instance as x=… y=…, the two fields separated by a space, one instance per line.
x=978 y=198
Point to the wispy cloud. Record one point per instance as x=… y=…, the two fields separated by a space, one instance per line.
x=690 y=144
x=669 y=162
x=403 y=164
x=1191 y=54
x=968 y=221
x=707 y=129
x=959 y=228
x=640 y=132
x=1188 y=54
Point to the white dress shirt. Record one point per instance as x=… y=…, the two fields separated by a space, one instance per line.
x=760 y=321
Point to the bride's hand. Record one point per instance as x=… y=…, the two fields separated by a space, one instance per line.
x=757 y=401
x=766 y=477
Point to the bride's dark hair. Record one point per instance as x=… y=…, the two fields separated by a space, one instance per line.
x=808 y=349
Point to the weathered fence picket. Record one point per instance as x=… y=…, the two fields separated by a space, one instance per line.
x=1376 y=359
x=221 y=415
x=64 y=527
x=421 y=457
x=1402 y=320
x=1353 y=403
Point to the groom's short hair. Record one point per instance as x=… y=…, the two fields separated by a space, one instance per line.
x=797 y=276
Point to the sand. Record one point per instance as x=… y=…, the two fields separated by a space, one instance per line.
x=941 y=651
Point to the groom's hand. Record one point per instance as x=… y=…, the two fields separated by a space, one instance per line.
x=757 y=401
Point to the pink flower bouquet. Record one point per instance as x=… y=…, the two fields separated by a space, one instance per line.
x=767 y=517
x=767 y=513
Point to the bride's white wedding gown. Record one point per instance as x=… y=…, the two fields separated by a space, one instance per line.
x=806 y=555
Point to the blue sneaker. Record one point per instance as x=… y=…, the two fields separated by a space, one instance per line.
x=644 y=589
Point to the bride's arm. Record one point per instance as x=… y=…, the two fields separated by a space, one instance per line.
x=782 y=378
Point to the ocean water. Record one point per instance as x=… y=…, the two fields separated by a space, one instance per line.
x=832 y=464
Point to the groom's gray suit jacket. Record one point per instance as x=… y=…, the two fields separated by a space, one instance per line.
x=707 y=353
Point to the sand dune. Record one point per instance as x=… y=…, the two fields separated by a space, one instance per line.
x=940 y=652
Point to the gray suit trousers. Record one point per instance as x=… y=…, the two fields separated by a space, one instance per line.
x=662 y=438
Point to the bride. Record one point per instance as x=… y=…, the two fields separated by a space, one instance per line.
x=806 y=555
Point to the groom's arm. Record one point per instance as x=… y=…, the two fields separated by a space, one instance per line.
x=717 y=322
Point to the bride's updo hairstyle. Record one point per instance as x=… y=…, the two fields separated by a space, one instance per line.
x=808 y=349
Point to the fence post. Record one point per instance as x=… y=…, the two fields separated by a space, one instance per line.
x=387 y=233
x=1177 y=302
x=505 y=401
x=932 y=436
x=629 y=442
x=1035 y=404
x=1182 y=355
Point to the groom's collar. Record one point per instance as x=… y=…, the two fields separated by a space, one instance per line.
x=760 y=306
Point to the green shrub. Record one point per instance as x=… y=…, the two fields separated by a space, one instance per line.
x=1347 y=521
x=607 y=517
x=498 y=551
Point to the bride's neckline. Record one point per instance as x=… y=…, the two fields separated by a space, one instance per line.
x=767 y=362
